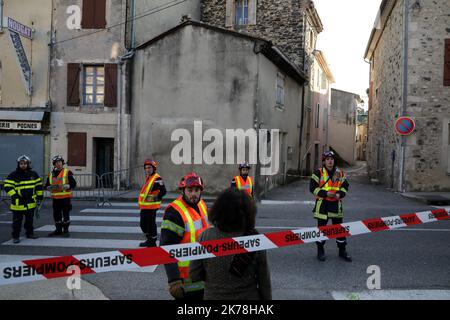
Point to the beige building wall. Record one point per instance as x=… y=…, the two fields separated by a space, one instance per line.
x=87 y=47
x=196 y=73
x=342 y=124
x=320 y=85
x=36 y=15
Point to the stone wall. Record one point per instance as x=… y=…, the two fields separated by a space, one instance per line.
x=428 y=101
x=386 y=100
x=427 y=166
x=279 y=21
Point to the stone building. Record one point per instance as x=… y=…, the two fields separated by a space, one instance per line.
x=409 y=55
x=290 y=25
x=361 y=134
x=317 y=113
x=86 y=78
x=224 y=80
x=342 y=124
x=24 y=82
x=293 y=26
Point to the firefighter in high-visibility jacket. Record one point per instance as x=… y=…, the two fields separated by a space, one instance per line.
x=60 y=183
x=149 y=202
x=330 y=186
x=24 y=186
x=184 y=219
x=243 y=181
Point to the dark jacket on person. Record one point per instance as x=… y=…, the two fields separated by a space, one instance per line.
x=24 y=187
x=221 y=284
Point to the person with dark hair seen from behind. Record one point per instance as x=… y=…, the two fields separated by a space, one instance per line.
x=233 y=277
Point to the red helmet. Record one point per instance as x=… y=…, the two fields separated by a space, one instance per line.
x=150 y=162
x=191 y=180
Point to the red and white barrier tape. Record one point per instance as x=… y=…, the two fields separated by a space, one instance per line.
x=41 y=269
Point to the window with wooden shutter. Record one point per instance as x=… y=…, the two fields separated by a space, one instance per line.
x=111 y=85
x=447 y=63
x=94 y=85
x=76 y=149
x=73 y=84
x=94 y=14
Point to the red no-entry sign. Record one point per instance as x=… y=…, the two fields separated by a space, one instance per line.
x=404 y=126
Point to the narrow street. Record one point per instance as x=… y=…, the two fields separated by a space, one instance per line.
x=413 y=261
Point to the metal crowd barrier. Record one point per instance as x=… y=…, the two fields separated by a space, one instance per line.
x=4 y=198
x=126 y=182
x=89 y=188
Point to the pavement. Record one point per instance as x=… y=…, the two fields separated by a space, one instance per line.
x=413 y=261
x=437 y=198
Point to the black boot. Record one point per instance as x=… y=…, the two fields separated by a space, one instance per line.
x=320 y=252
x=66 y=229
x=58 y=231
x=150 y=242
x=344 y=255
x=32 y=236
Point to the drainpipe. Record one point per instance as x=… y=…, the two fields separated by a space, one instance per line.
x=133 y=24
x=1 y=15
x=122 y=80
x=300 y=162
x=257 y=122
x=401 y=186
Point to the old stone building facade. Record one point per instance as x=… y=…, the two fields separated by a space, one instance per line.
x=317 y=112
x=342 y=124
x=410 y=76
x=286 y=23
x=207 y=81
x=293 y=26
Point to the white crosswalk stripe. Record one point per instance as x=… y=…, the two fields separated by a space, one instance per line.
x=97 y=229
x=108 y=219
x=78 y=243
x=90 y=229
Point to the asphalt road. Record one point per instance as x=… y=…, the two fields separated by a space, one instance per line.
x=413 y=261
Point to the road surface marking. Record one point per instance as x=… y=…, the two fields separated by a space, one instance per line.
x=392 y=295
x=77 y=243
x=108 y=218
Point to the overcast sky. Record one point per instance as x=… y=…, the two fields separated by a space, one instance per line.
x=347 y=26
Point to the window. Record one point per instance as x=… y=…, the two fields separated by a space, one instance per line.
x=311 y=40
x=94 y=85
x=324 y=81
x=317 y=115
x=76 y=146
x=94 y=14
x=241 y=12
x=318 y=78
x=280 y=89
x=99 y=84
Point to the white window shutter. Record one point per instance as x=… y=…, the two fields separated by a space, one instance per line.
x=229 y=22
x=252 y=4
